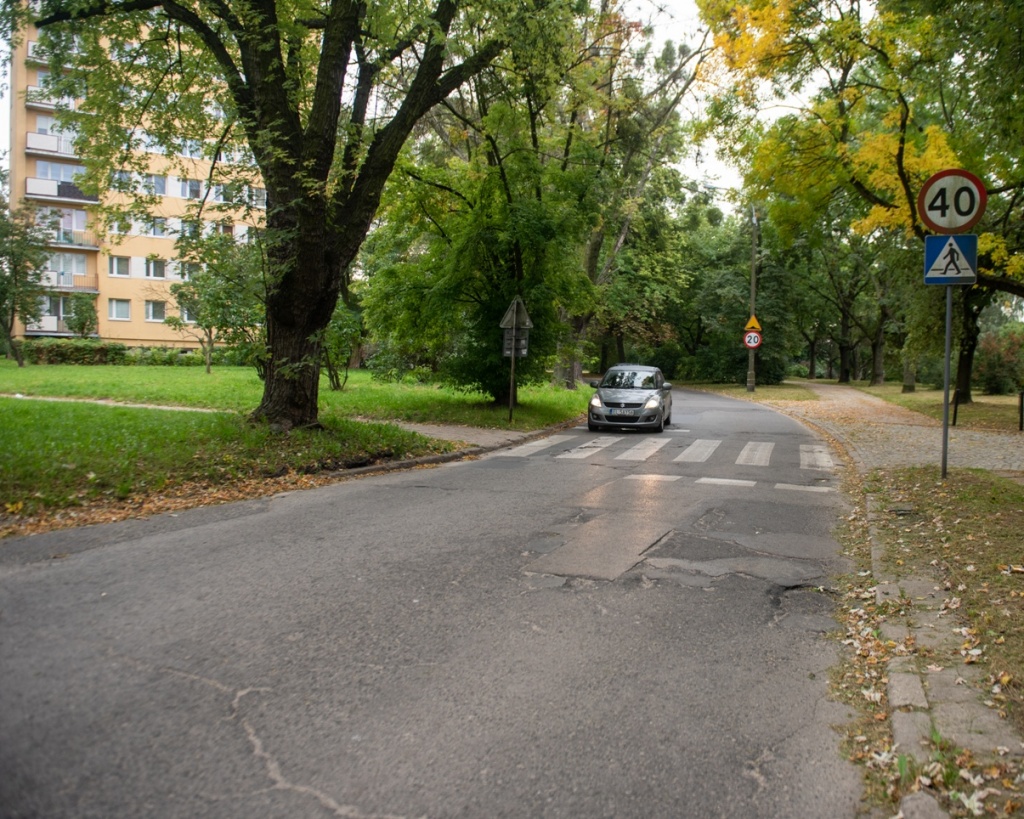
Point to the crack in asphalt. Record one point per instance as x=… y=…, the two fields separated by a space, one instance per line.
x=271 y=765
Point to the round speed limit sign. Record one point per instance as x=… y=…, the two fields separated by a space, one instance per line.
x=952 y=201
x=752 y=340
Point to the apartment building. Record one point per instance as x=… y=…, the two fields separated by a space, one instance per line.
x=130 y=272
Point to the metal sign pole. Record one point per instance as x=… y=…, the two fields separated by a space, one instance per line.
x=512 y=377
x=945 y=389
x=751 y=352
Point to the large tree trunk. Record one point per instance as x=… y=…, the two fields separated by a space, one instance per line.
x=878 y=347
x=909 y=374
x=568 y=370
x=975 y=300
x=846 y=350
x=307 y=269
x=291 y=387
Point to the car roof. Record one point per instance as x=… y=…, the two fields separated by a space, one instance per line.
x=632 y=367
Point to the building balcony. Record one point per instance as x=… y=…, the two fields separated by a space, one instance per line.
x=75 y=238
x=52 y=189
x=62 y=280
x=48 y=326
x=50 y=144
x=36 y=97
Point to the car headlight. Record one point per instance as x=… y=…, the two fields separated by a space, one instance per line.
x=595 y=402
x=653 y=402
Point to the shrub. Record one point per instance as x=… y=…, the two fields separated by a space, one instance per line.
x=73 y=351
x=999 y=362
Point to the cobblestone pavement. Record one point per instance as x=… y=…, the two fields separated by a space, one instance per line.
x=880 y=434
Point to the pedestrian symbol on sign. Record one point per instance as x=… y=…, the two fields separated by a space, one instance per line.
x=951 y=258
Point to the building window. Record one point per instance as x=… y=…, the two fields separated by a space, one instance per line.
x=192 y=149
x=119 y=309
x=67 y=266
x=156 y=269
x=56 y=306
x=226 y=228
x=69 y=225
x=258 y=198
x=120 y=266
x=191 y=188
x=122 y=227
x=158 y=226
x=191 y=228
x=230 y=193
x=155 y=310
x=149 y=142
x=58 y=171
x=188 y=270
x=186 y=316
x=156 y=184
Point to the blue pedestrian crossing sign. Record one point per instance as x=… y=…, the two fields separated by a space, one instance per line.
x=950 y=259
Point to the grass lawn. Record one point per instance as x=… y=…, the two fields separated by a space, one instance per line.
x=998 y=413
x=67 y=462
x=787 y=391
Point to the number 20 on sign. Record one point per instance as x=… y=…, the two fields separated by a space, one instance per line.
x=952 y=201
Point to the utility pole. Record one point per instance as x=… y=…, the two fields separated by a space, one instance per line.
x=751 y=352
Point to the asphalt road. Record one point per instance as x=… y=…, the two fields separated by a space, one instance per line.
x=594 y=625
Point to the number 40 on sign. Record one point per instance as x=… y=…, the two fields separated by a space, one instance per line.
x=952 y=201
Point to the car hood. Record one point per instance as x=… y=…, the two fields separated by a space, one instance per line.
x=625 y=396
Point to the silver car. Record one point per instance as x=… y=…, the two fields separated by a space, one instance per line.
x=631 y=395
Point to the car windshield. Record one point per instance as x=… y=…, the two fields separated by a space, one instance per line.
x=628 y=380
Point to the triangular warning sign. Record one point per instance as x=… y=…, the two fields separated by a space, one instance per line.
x=516 y=316
x=753 y=324
x=951 y=259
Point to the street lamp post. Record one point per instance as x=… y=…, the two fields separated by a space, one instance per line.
x=751 y=353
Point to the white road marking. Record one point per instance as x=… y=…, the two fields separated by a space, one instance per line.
x=590 y=448
x=699 y=451
x=533 y=447
x=755 y=453
x=815 y=456
x=726 y=482
x=643 y=450
x=798 y=488
x=653 y=477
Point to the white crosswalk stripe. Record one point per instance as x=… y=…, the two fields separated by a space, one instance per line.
x=590 y=448
x=533 y=447
x=643 y=450
x=756 y=453
x=815 y=456
x=698 y=452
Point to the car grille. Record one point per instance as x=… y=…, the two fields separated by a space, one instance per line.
x=622 y=405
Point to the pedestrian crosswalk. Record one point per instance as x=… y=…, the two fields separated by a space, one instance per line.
x=699 y=451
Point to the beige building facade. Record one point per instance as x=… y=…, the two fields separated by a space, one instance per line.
x=130 y=273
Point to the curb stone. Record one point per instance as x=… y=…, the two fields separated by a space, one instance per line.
x=946 y=701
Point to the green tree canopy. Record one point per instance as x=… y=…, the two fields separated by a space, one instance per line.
x=321 y=93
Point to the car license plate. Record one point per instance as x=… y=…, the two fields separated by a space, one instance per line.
x=623 y=412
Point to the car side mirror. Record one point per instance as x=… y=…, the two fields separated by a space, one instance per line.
x=666 y=386
x=595 y=384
